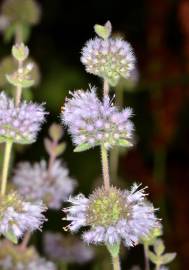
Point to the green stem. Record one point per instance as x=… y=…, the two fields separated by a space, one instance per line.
x=105 y=167
x=116 y=263
x=157 y=267
x=114 y=163
x=147 y=264
x=106 y=88
x=7 y=155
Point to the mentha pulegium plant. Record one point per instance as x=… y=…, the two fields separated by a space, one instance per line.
x=20 y=122
x=47 y=181
x=18 y=258
x=111 y=215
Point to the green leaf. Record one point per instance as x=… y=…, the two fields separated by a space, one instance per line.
x=60 y=149
x=167 y=258
x=11 y=237
x=159 y=247
x=24 y=83
x=82 y=147
x=103 y=31
x=124 y=143
x=153 y=257
x=20 y=52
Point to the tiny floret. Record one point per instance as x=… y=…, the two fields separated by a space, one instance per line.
x=112 y=216
x=18 y=216
x=93 y=122
x=19 y=124
x=111 y=58
x=36 y=182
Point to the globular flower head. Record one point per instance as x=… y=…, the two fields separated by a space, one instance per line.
x=19 y=124
x=36 y=182
x=109 y=58
x=92 y=122
x=11 y=258
x=112 y=216
x=18 y=216
x=67 y=249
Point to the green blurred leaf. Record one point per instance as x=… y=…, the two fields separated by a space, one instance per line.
x=82 y=147
x=168 y=257
x=159 y=247
x=124 y=143
x=11 y=237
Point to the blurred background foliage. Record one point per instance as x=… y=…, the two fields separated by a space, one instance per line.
x=159 y=33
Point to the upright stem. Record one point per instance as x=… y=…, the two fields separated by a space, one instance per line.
x=147 y=265
x=116 y=263
x=157 y=267
x=18 y=88
x=25 y=240
x=105 y=168
x=106 y=88
x=8 y=147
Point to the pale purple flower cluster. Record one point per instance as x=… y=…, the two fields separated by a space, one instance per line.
x=93 y=122
x=18 y=216
x=67 y=249
x=36 y=182
x=37 y=264
x=112 y=216
x=19 y=124
x=110 y=59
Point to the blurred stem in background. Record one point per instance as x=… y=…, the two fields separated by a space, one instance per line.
x=147 y=264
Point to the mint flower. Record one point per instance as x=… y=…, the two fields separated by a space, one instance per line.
x=110 y=58
x=19 y=124
x=18 y=216
x=92 y=122
x=112 y=216
x=35 y=182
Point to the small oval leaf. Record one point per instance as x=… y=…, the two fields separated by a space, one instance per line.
x=82 y=147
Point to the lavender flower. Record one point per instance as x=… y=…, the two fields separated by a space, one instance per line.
x=37 y=182
x=39 y=264
x=14 y=257
x=18 y=216
x=92 y=122
x=67 y=249
x=110 y=59
x=19 y=124
x=112 y=216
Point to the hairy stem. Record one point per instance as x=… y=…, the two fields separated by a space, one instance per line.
x=147 y=264
x=18 y=88
x=106 y=88
x=116 y=263
x=7 y=155
x=105 y=168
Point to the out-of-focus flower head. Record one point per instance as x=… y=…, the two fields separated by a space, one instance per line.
x=36 y=182
x=21 y=11
x=106 y=57
x=19 y=124
x=67 y=249
x=112 y=216
x=18 y=216
x=8 y=65
x=92 y=122
x=14 y=257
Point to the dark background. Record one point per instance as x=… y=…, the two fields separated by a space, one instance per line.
x=159 y=32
